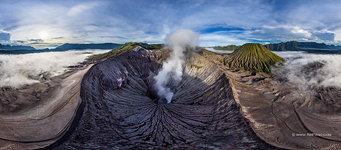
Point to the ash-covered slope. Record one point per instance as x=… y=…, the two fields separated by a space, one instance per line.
x=122 y=111
x=40 y=114
x=253 y=57
x=213 y=107
x=287 y=117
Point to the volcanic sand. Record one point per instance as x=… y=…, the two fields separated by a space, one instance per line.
x=46 y=122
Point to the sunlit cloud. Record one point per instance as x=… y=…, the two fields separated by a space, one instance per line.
x=290 y=33
x=81 y=9
x=149 y=21
x=209 y=40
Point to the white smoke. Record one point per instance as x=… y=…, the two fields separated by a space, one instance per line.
x=328 y=75
x=172 y=67
x=18 y=70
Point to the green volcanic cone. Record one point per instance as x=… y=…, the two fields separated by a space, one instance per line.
x=253 y=57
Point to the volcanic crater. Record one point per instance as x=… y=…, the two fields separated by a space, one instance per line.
x=114 y=104
x=122 y=110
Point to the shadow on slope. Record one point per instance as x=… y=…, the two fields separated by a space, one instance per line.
x=121 y=112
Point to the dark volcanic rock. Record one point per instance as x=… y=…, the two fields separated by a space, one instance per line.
x=122 y=111
x=213 y=107
x=288 y=117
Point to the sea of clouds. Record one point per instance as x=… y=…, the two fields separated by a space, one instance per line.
x=18 y=70
x=328 y=75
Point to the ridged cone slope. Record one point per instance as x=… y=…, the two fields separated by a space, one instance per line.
x=253 y=57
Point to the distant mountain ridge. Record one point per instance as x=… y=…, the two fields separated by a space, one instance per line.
x=70 y=46
x=20 y=47
x=7 y=49
x=66 y=46
x=300 y=46
x=227 y=48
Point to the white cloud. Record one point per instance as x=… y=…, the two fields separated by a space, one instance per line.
x=123 y=21
x=241 y=14
x=4 y=36
x=327 y=75
x=81 y=8
x=338 y=35
x=17 y=70
x=208 y=40
x=324 y=35
x=289 y=33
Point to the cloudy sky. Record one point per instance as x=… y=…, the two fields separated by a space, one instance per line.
x=47 y=23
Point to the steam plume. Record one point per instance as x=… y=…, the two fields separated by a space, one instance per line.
x=172 y=67
x=296 y=69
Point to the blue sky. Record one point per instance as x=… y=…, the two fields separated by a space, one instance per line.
x=219 y=22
